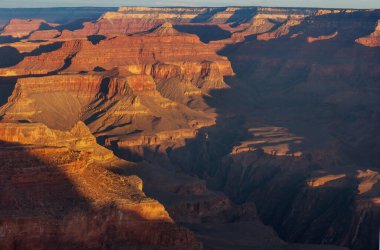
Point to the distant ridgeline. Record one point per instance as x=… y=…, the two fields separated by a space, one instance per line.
x=56 y=15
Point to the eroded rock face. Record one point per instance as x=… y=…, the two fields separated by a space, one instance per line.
x=44 y=63
x=280 y=120
x=373 y=40
x=44 y=35
x=321 y=38
x=130 y=20
x=157 y=46
x=281 y=31
x=130 y=84
x=311 y=180
x=19 y=28
x=38 y=164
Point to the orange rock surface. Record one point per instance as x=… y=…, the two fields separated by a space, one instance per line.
x=19 y=28
x=38 y=164
x=44 y=35
x=45 y=62
x=281 y=31
x=321 y=38
x=373 y=40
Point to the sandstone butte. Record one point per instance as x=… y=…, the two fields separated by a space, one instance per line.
x=132 y=82
x=373 y=40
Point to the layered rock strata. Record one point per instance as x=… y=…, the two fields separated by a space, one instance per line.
x=19 y=28
x=40 y=164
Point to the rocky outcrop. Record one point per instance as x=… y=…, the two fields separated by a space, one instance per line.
x=81 y=85
x=368 y=182
x=311 y=39
x=166 y=14
x=130 y=20
x=332 y=11
x=322 y=181
x=78 y=138
x=19 y=28
x=156 y=139
x=373 y=40
x=107 y=101
x=259 y=24
x=73 y=166
x=46 y=62
x=67 y=95
x=280 y=31
x=156 y=46
x=153 y=53
x=44 y=35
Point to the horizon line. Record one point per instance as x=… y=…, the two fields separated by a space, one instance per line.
x=180 y=6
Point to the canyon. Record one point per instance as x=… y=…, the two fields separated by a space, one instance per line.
x=190 y=128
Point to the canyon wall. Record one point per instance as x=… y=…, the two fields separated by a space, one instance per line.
x=40 y=164
x=271 y=129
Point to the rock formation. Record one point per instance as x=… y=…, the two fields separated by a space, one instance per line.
x=19 y=28
x=132 y=88
x=373 y=40
x=44 y=35
x=311 y=39
x=268 y=126
x=281 y=31
x=47 y=62
x=40 y=164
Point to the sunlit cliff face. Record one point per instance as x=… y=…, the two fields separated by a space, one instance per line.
x=38 y=164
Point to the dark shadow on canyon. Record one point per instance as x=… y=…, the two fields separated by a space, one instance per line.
x=205 y=33
x=95 y=39
x=204 y=17
x=75 y=25
x=45 y=49
x=34 y=186
x=321 y=92
x=38 y=193
x=7 y=85
x=9 y=56
x=8 y=39
x=243 y=15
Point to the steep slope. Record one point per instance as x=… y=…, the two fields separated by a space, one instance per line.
x=62 y=183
